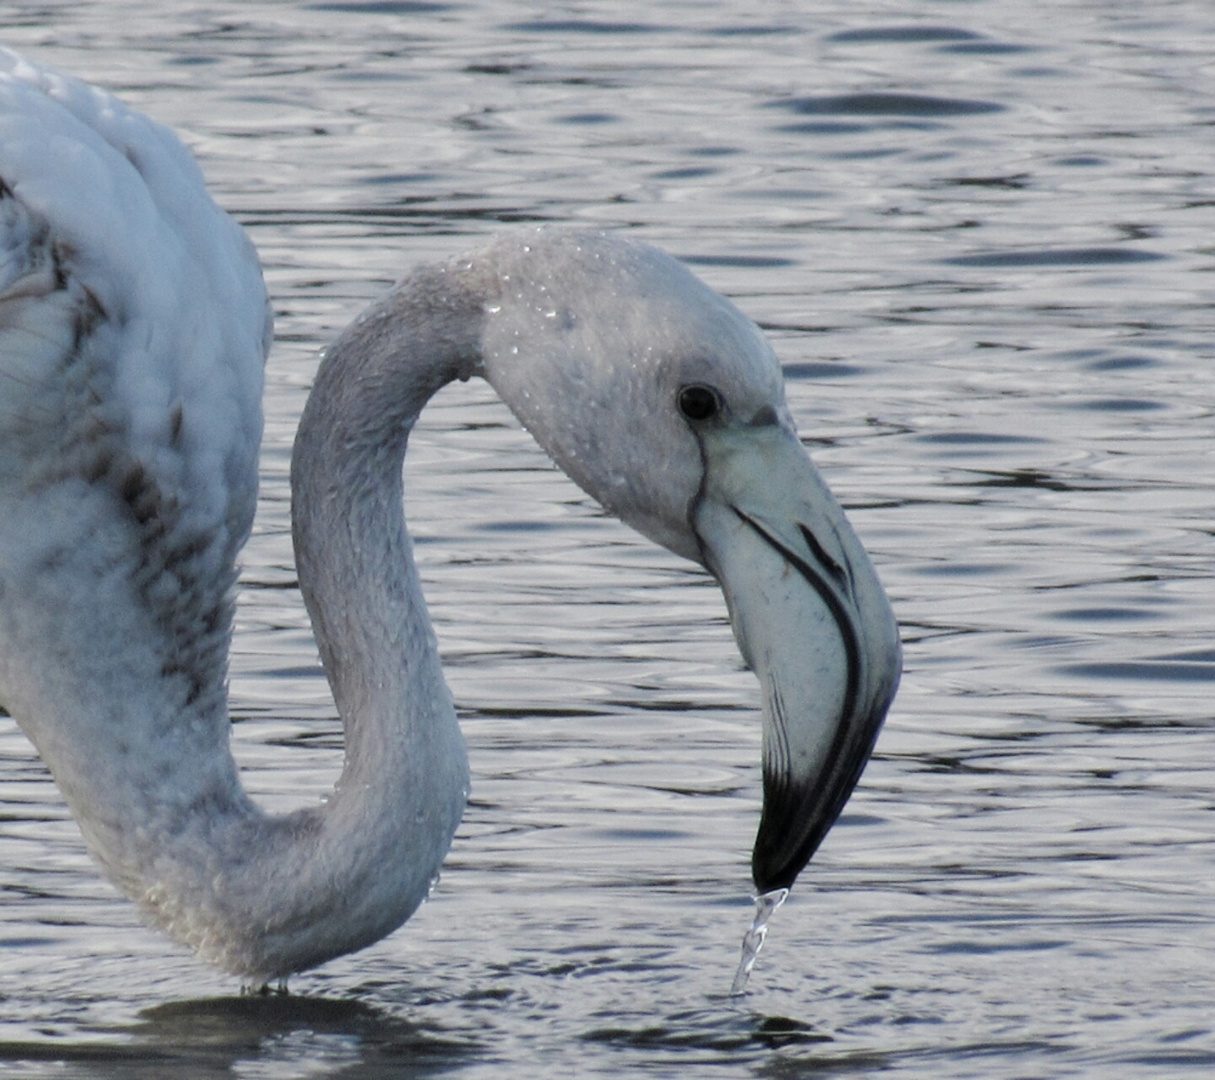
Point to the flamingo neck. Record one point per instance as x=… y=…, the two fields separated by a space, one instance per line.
x=273 y=895
x=405 y=757
x=381 y=838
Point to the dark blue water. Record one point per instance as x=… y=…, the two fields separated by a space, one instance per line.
x=980 y=236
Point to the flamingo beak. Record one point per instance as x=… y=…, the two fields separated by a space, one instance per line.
x=812 y=622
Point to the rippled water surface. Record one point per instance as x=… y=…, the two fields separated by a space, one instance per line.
x=981 y=237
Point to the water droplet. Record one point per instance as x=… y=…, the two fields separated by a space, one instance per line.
x=753 y=940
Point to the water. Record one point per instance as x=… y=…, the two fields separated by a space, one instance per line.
x=766 y=905
x=979 y=234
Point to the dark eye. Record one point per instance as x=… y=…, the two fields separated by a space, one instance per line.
x=699 y=402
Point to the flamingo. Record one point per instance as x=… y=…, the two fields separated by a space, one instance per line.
x=134 y=326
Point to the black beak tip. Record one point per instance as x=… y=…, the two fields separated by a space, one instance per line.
x=799 y=811
x=770 y=876
x=790 y=831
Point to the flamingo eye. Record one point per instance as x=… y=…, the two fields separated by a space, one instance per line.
x=698 y=402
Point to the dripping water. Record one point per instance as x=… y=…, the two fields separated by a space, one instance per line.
x=753 y=940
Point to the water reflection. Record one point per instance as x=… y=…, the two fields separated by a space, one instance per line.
x=272 y=1036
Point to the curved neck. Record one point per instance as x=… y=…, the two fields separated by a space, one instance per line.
x=353 y=555
x=381 y=838
x=265 y=896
